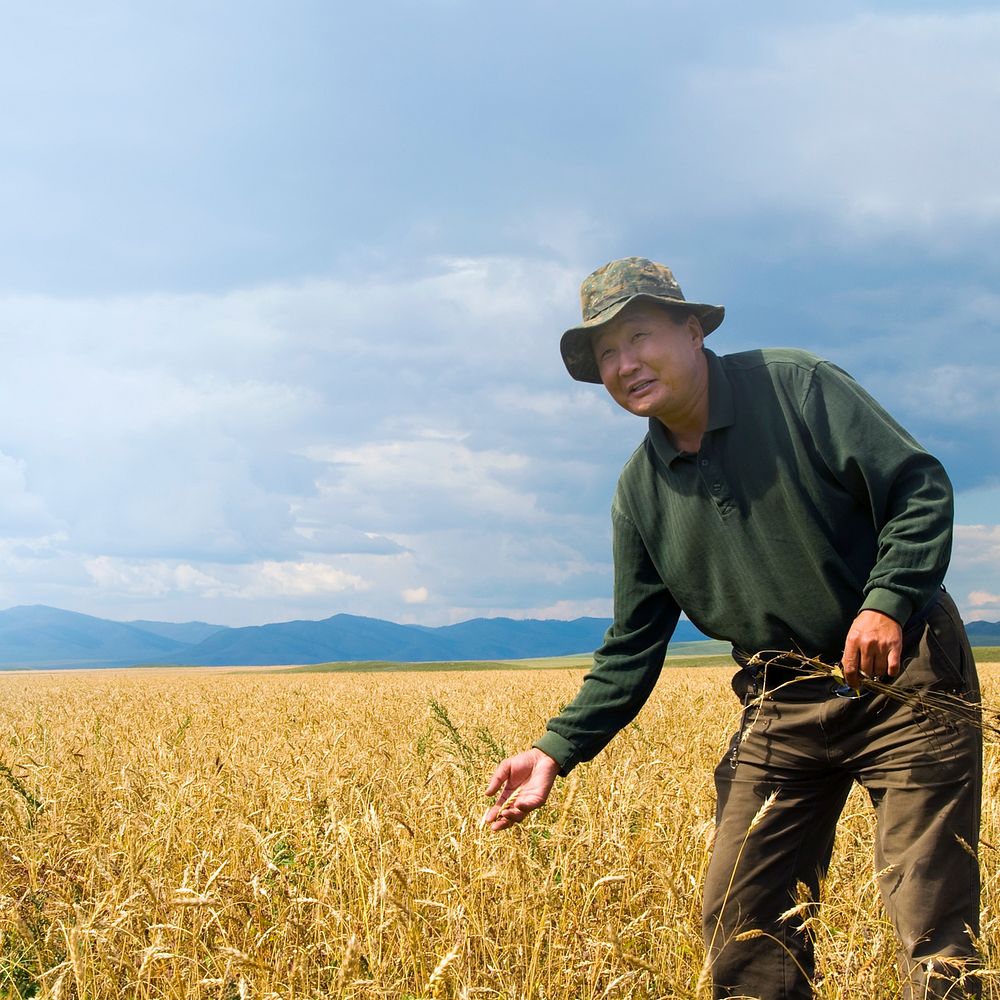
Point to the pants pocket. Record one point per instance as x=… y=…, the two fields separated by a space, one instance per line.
x=939 y=658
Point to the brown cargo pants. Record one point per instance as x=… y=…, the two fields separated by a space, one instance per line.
x=804 y=747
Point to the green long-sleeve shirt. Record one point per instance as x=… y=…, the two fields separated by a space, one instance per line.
x=805 y=504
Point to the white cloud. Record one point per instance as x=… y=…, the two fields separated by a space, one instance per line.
x=566 y=610
x=487 y=569
x=396 y=485
x=268 y=579
x=981 y=605
x=148 y=420
x=295 y=578
x=876 y=121
x=976 y=544
x=328 y=446
x=958 y=394
x=148 y=578
x=308 y=443
x=22 y=512
x=982 y=598
x=400 y=422
x=974 y=576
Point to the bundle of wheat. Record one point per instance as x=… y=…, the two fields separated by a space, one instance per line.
x=946 y=705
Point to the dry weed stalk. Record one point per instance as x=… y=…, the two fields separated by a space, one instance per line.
x=945 y=706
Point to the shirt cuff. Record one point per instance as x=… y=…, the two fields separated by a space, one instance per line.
x=559 y=749
x=889 y=603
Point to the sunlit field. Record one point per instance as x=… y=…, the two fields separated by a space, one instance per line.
x=214 y=834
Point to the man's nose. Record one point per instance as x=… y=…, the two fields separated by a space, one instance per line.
x=628 y=361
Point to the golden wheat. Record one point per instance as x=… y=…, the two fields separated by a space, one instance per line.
x=203 y=834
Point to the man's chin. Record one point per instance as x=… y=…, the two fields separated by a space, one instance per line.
x=641 y=407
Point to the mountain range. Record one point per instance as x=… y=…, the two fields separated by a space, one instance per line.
x=41 y=637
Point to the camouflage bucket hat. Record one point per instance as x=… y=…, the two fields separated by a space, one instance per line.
x=606 y=292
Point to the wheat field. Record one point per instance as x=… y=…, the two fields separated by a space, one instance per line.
x=211 y=834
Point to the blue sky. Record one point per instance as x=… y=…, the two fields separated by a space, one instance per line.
x=281 y=286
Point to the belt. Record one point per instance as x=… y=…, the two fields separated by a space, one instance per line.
x=776 y=674
x=783 y=678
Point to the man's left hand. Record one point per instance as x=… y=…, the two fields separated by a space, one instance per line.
x=873 y=648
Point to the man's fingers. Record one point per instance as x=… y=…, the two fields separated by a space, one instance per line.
x=498 y=817
x=856 y=669
x=510 y=808
x=508 y=815
x=491 y=816
x=893 y=661
x=873 y=647
x=497 y=808
x=523 y=783
x=849 y=662
x=499 y=778
x=876 y=659
x=873 y=659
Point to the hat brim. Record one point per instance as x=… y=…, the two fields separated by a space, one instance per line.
x=575 y=345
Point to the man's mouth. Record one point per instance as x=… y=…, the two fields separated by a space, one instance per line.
x=639 y=386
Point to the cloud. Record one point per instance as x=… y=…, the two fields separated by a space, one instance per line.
x=264 y=340
x=180 y=425
x=267 y=580
x=859 y=119
x=982 y=598
x=148 y=578
x=981 y=605
x=291 y=579
x=327 y=452
x=566 y=610
x=486 y=570
x=958 y=395
x=399 y=485
x=976 y=544
x=309 y=441
x=334 y=445
x=22 y=512
x=974 y=575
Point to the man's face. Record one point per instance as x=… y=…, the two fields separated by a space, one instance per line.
x=650 y=364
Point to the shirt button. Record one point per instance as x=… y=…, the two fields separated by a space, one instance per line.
x=716 y=487
x=704 y=461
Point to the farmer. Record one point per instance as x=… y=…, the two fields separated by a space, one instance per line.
x=778 y=506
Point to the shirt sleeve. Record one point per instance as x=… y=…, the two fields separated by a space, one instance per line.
x=627 y=665
x=907 y=490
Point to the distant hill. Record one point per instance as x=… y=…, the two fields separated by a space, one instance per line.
x=42 y=637
x=186 y=632
x=983 y=633
x=37 y=636
x=342 y=637
x=349 y=637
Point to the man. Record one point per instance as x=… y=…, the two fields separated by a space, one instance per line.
x=781 y=508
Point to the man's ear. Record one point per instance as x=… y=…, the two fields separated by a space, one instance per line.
x=697 y=333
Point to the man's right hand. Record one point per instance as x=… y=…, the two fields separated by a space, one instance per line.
x=524 y=782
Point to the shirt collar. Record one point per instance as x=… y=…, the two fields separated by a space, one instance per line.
x=721 y=411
